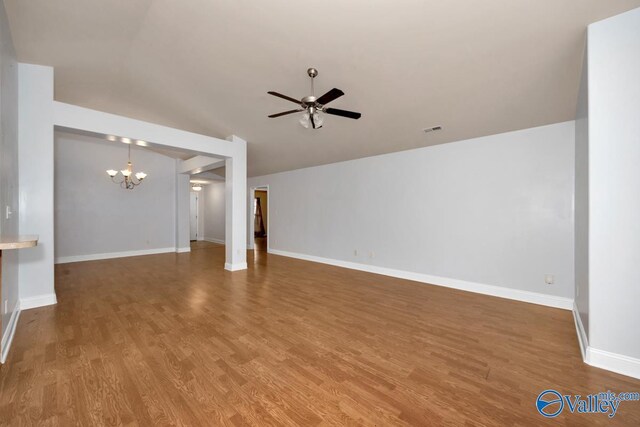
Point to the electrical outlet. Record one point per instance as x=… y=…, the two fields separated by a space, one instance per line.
x=548 y=279
x=8 y=212
x=355 y=252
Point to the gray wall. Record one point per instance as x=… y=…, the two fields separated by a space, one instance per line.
x=214 y=211
x=183 y=188
x=94 y=215
x=582 y=200
x=614 y=185
x=496 y=210
x=8 y=166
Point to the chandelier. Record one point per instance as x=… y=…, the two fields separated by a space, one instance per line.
x=128 y=181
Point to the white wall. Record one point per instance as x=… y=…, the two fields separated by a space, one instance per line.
x=614 y=186
x=582 y=200
x=182 y=190
x=496 y=210
x=35 y=152
x=214 y=211
x=8 y=171
x=236 y=201
x=95 y=216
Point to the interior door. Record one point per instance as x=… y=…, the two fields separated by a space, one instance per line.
x=193 y=216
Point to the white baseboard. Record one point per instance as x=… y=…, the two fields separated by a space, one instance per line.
x=38 y=301
x=213 y=240
x=7 y=338
x=582 y=334
x=496 y=291
x=183 y=250
x=110 y=255
x=236 y=266
x=614 y=362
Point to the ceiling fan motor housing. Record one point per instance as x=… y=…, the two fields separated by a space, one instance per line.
x=308 y=101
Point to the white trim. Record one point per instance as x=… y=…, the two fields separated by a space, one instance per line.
x=38 y=301
x=212 y=240
x=583 y=340
x=602 y=359
x=235 y=267
x=183 y=250
x=7 y=338
x=110 y=255
x=614 y=362
x=496 y=291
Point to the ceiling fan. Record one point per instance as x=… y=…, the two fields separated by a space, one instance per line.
x=313 y=106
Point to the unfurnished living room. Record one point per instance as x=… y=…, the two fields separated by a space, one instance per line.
x=373 y=213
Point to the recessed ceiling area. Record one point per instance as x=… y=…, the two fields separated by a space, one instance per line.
x=474 y=68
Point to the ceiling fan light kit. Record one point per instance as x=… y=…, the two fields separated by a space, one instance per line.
x=314 y=107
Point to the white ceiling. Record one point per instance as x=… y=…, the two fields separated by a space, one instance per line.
x=474 y=67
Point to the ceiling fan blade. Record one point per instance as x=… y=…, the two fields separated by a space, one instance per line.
x=343 y=113
x=330 y=96
x=288 y=98
x=284 y=113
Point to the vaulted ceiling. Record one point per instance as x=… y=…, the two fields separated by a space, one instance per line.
x=474 y=67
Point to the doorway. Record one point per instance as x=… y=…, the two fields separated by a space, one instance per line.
x=193 y=216
x=261 y=219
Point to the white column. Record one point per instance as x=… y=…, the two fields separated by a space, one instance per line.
x=182 y=211
x=236 y=206
x=614 y=193
x=35 y=151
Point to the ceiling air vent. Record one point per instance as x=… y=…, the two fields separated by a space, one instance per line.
x=432 y=129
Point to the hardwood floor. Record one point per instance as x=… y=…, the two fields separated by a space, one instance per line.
x=175 y=339
x=260 y=244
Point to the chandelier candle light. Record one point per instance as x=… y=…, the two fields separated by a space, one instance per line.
x=128 y=181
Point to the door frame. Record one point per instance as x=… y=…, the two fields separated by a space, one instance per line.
x=251 y=224
x=195 y=193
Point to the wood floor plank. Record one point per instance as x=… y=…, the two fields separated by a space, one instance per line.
x=173 y=339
